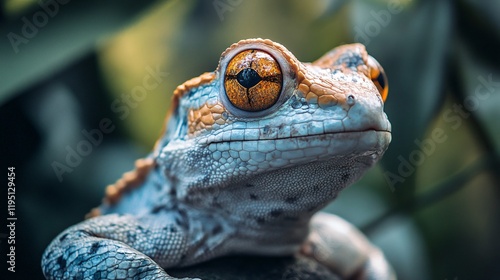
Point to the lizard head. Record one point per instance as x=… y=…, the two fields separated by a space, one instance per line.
x=266 y=128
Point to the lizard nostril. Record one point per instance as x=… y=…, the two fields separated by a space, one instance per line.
x=253 y=80
x=350 y=100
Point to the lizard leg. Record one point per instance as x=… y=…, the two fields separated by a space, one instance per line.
x=340 y=246
x=115 y=247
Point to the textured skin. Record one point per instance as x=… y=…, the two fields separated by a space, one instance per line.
x=223 y=180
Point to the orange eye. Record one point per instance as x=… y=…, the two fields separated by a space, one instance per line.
x=253 y=80
x=377 y=75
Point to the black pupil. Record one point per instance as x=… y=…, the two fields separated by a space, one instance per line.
x=381 y=80
x=248 y=77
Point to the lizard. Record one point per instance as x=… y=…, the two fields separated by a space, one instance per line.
x=248 y=156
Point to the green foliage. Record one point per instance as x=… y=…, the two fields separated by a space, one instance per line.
x=441 y=57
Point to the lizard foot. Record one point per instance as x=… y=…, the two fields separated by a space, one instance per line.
x=344 y=249
x=109 y=247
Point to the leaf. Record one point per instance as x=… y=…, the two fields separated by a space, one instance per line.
x=411 y=43
x=48 y=38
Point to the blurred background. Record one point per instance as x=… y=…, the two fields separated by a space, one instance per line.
x=73 y=70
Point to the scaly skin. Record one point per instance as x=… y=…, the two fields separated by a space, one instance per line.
x=246 y=160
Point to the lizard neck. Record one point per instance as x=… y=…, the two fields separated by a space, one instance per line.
x=271 y=212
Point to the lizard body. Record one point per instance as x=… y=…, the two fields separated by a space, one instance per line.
x=249 y=154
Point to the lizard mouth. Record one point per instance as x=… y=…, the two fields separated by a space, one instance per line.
x=326 y=129
x=358 y=121
x=245 y=157
x=265 y=137
x=280 y=151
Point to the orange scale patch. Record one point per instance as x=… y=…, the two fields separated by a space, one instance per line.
x=205 y=117
x=327 y=101
x=316 y=90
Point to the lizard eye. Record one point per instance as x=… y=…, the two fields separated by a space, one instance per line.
x=377 y=75
x=253 y=80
